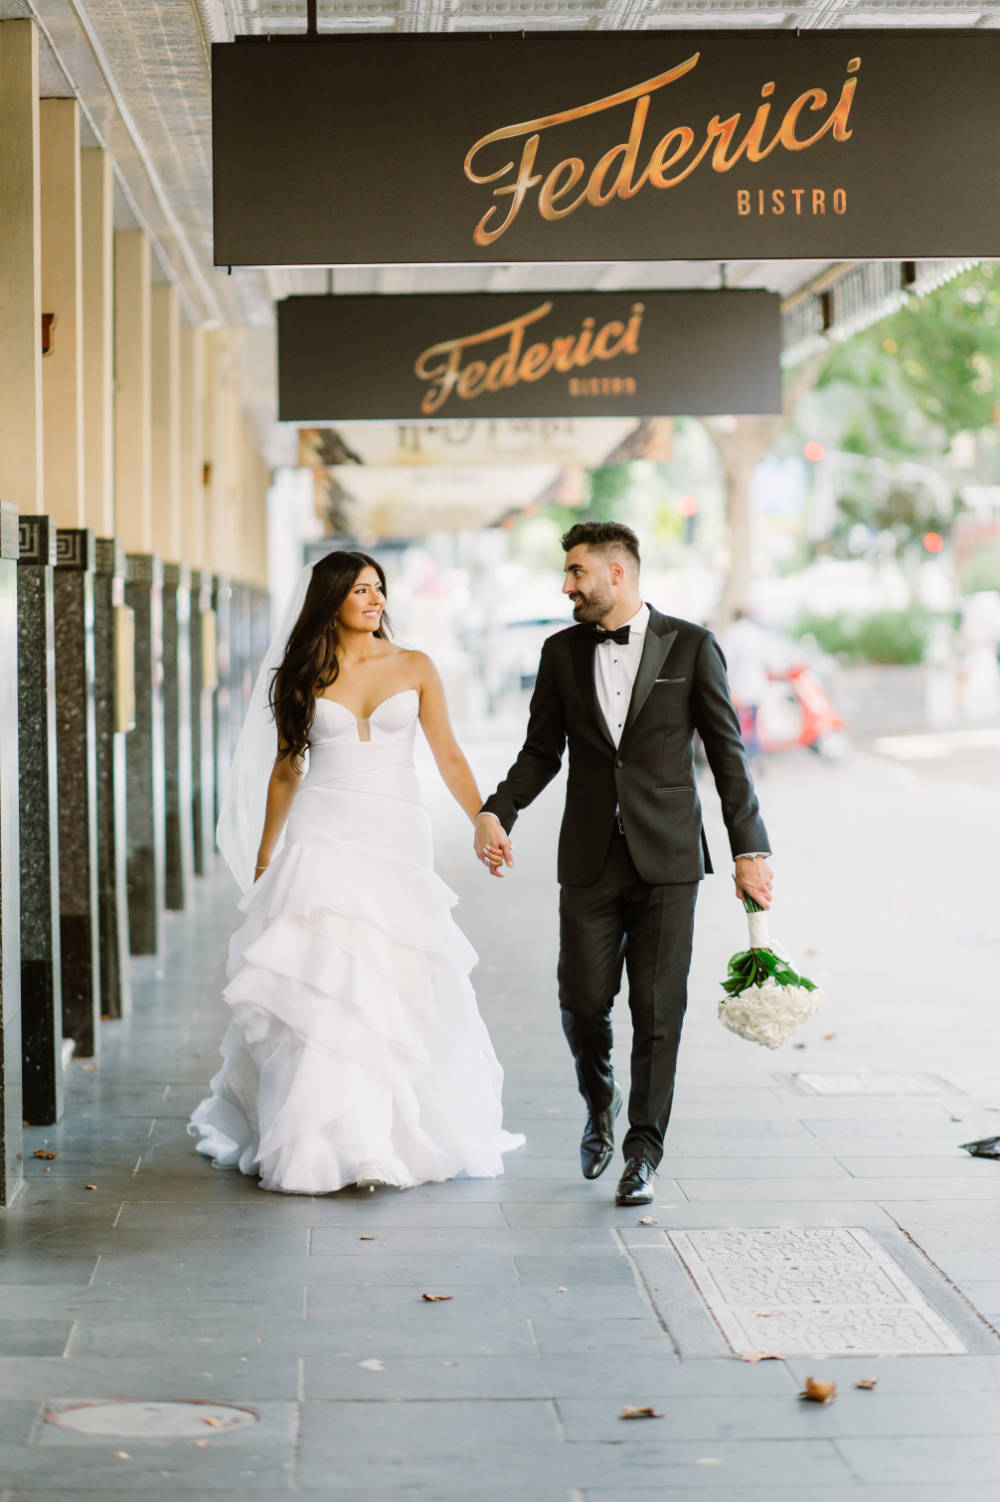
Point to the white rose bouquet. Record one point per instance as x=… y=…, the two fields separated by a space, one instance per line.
x=766 y=999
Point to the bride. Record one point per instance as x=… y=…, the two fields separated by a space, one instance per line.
x=355 y=1053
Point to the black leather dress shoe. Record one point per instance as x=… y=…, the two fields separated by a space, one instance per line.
x=635 y=1187
x=597 y=1145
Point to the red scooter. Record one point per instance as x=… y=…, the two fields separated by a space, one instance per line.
x=795 y=712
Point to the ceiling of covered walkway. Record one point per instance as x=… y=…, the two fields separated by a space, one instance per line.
x=141 y=71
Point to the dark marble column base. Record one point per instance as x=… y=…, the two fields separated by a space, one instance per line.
x=112 y=879
x=224 y=728
x=204 y=677
x=144 y=759
x=11 y=1164
x=179 y=830
x=41 y=965
x=76 y=731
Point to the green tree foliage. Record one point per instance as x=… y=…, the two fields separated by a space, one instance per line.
x=931 y=370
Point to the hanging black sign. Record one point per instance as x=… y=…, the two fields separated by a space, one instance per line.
x=619 y=146
x=574 y=354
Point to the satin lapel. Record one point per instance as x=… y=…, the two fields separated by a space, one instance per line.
x=584 y=647
x=655 y=650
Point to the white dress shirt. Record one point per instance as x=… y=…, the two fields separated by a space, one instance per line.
x=615 y=669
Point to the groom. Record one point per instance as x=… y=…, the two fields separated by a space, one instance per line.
x=627 y=688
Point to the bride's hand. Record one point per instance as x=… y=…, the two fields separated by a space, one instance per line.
x=492 y=845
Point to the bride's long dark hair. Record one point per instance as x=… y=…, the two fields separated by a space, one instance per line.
x=310 y=662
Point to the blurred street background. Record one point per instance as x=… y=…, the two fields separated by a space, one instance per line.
x=847 y=553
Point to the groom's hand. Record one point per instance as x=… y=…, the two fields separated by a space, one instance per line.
x=754 y=879
x=492 y=844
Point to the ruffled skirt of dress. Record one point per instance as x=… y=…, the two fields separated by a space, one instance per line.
x=354 y=1037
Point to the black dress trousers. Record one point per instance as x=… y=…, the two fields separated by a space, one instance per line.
x=622 y=920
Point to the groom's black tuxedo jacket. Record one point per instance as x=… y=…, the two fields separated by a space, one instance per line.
x=680 y=687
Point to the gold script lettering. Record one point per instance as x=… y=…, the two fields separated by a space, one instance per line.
x=442 y=364
x=616 y=173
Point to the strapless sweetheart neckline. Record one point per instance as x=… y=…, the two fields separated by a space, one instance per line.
x=362 y=720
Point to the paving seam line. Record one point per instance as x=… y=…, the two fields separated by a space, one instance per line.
x=644 y=1292
x=950 y=1284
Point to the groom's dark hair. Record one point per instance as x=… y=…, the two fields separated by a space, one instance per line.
x=603 y=536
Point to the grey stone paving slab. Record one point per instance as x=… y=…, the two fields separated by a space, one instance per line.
x=33 y=1270
x=31 y=1336
x=769 y=1165
x=835 y=1292
x=425 y=1242
x=854 y=1413
x=593 y=1337
x=951 y=1166
x=801 y=1493
x=217 y=1377
x=779 y=1191
x=117 y=1241
x=830 y=1083
x=943 y=1461
x=453 y=1376
x=824 y=1212
x=606 y=1269
x=332 y=1213
x=347 y=1447
x=431 y=1329
x=574 y=1305
x=151 y=1465
x=901 y=1374
x=210 y=1274
x=967 y=1212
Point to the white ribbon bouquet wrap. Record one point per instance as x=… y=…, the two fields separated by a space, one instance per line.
x=766 y=999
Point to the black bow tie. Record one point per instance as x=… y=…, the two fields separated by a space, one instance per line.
x=620 y=636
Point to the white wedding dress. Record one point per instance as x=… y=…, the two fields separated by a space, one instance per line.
x=355 y=1038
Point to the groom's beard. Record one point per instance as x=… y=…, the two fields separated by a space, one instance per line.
x=593 y=607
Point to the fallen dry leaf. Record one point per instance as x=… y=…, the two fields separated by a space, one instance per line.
x=828 y=1036
x=367 y=1238
x=90 y=1186
x=47 y=1169
x=760 y=1356
x=436 y=1298
x=41 y=1152
x=866 y=1383
x=639 y=1413
x=213 y=1422
x=798 y=1045
x=819 y=1392
x=954 y=1118
x=562 y=1290
x=122 y=1455
x=201 y=1443
x=449 y=1363
x=88 y=1066
x=649 y=1220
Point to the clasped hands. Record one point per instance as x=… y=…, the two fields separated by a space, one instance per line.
x=492 y=844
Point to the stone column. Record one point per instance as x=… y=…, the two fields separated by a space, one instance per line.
x=179 y=825
x=11 y=1166
x=145 y=777
x=112 y=715
x=76 y=737
x=21 y=488
x=204 y=681
x=20 y=269
x=41 y=973
x=62 y=296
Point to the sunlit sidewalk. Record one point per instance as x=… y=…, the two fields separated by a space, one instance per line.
x=811 y=1201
